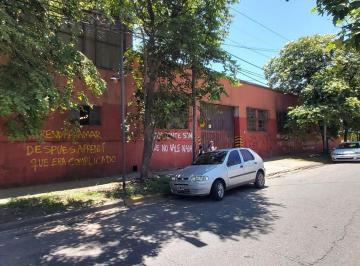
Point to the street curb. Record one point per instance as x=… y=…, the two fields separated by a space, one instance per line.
x=56 y=216
x=134 y=202
x=117 y=203
x=278 y=174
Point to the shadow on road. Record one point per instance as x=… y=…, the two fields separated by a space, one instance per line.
x=129 y=237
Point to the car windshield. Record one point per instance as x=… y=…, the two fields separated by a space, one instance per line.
x=214 y=157
x=349 y=145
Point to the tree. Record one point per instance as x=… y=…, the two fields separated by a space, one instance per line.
x=326 y=79
x=35 y=55
x=208 y=20
x=176 y=37
x=345 y=13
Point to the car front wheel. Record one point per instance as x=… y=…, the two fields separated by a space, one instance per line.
x=260 y=180
x=218 y=190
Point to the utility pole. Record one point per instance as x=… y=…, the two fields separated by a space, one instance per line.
x=123 y=109
x=193 y=101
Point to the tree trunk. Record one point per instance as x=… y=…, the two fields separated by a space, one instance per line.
x=149 y=130
x=149 y=119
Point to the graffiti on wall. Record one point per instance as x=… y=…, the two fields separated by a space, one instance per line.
x=50 y=155
x=44 y=156
x=174 y=146
x=65 y=134
x=177 y=148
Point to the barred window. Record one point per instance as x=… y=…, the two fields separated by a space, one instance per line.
x=257 y=119
x=281 y=119
x=99 y=41
x=251 y=119
x=261 y=120
x=86 y=115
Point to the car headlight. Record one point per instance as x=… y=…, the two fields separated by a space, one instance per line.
x=199 y=178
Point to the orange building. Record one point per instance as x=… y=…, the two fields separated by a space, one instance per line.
x=251 y=116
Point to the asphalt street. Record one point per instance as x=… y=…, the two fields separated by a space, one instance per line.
x=311 y=217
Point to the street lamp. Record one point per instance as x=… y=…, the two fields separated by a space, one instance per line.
x=120 y=77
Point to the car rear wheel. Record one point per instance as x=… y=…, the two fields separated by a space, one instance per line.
x=260 y=180
x=217 y=190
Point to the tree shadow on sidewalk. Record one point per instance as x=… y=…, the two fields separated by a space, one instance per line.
x=129 y=237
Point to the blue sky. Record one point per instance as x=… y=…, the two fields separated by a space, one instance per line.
x=290 y=20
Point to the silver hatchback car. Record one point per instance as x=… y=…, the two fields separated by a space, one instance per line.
x=217 y=171
x=346 y=151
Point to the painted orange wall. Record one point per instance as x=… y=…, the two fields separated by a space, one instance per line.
x=97 y=153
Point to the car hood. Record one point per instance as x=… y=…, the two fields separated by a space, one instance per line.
x=196 y=170
x=346 y=151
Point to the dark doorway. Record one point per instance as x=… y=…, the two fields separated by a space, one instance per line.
x=217 y=124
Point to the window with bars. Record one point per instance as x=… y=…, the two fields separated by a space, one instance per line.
x=86 y=115
x=251 y=119
x=257 y=119
x=281 y=119
x=261 y=120
x=99 y=42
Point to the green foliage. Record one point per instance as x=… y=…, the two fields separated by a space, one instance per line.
x=298 y=62
x=345 y=13
x=156 y=185
x=36 y=56
x=183 y=35
x=177 y=37
x=326 y=79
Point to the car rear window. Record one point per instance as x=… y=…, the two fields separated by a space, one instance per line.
x=247 y=156
x=215 y=157
x=349 y=145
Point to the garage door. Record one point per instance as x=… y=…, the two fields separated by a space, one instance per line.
x=217 y=124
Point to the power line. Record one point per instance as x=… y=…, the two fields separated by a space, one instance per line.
x=254 y=79
x=241 y=59
x=253 y=73
x=260 y=24
x=250 y=47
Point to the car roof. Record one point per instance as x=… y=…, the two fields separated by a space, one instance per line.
x=231 y=149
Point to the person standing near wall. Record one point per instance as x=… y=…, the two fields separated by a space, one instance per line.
x=201 y=150
x=211 y=146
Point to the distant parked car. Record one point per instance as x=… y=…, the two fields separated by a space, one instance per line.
x=217 y=171
x=346 y=151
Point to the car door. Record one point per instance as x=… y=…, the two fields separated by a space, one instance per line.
x=250 y=165
x=235 y=168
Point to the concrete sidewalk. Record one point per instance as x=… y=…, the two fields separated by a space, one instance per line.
x=280 y=165
x=274 y=167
